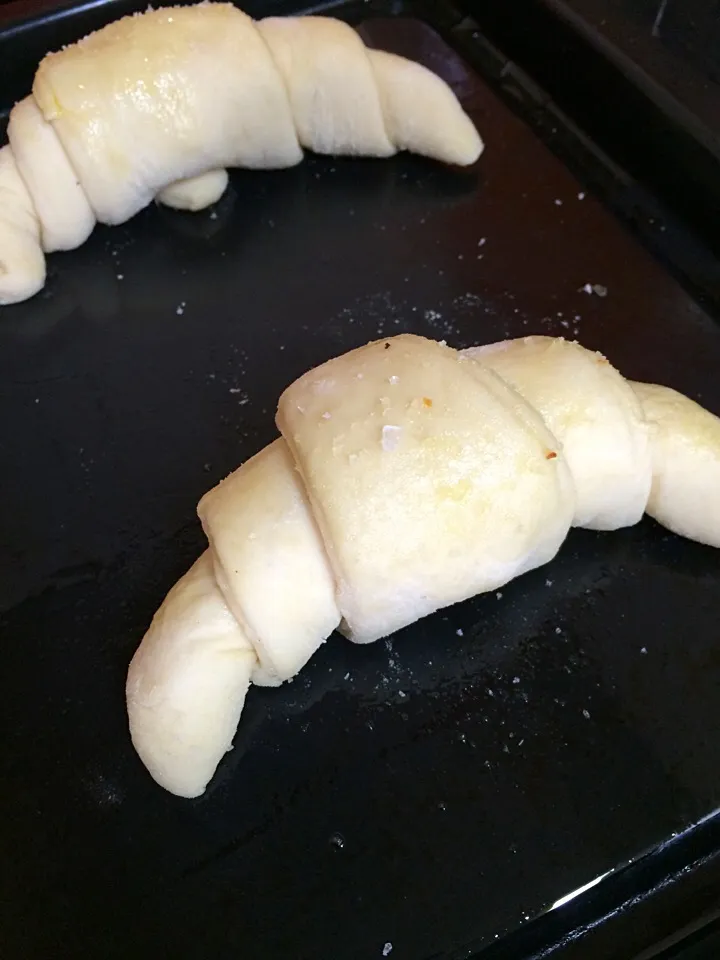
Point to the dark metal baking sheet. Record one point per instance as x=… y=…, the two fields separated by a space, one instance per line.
x=639 y=77
x=432 y=792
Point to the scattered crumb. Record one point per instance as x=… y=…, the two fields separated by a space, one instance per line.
x=499 y=594
x=586 y=714
x=643 y=649
x=581 y=196
x=548 y=583
x=459 y=632
x=387 y=949
x=121 y=276
x=597 y=288
x=516 y=679
x=558 y=203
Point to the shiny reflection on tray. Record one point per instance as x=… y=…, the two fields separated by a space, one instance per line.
x=576 y=893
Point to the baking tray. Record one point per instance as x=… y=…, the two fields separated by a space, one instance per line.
x=443 y=790
x=640 y=76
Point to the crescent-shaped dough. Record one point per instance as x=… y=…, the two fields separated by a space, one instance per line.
x=159 y=105
x=408 y=477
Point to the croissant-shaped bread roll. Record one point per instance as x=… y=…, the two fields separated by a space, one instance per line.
x=408 y=476
x=158 y=105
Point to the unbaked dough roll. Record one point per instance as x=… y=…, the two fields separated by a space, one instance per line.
x=187 y=683
x=427 y=486
x=593 y=412
x=170 y=94
x=685 y=443
x=160 y=104
x=408 y=477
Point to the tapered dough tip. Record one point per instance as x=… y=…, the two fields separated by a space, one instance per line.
x=22 y=267
x=187 y=683
x=422 y=114
x=195 y=193
x=685 y=445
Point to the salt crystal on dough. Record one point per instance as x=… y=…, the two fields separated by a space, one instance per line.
x=390 y=437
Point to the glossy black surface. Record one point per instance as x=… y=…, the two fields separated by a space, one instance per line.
x=675 y=41
x=641 y=78
x=432 y=791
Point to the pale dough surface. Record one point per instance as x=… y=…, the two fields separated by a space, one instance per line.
x=187 y=683
x=270 y=562
x=157 y=106
x=427 y=487
x=593 y=412
x=685 y=441
x=152 y=99
x=22 y=264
